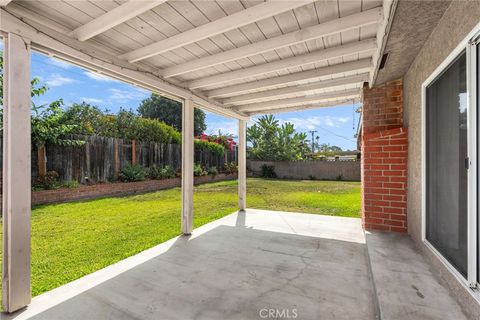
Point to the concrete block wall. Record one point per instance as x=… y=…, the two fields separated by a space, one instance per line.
x=305 y=170
x=384 y=159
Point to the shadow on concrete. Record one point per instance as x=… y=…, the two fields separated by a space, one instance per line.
x=235 y=272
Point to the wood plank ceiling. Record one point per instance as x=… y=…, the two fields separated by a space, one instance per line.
x=248 y=56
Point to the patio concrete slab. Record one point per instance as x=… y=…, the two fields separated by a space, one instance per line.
x=239 y=267
x=405 y=285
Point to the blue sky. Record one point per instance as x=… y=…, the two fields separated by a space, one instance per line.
x=73 y=84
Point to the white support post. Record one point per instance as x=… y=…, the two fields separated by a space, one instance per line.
x=16 y=174
x=187 y=166
x=242 y=164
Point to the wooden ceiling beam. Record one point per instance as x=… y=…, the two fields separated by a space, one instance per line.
x=222 y=25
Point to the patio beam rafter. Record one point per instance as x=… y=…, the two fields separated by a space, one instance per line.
x=4 y=3
x=368 y=45
x=114 y=17
x=65 y=48
x=296 y=90
x=336 y=26
x=222 y=25
x=363 y=65
x=334 y=103
x=290 y=102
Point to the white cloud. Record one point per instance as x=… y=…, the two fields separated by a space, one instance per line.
x=57 y=80
x=99 y=77
x=122 y=95
x=92 y=100
x=226 y=127
x=59 y=63
x=311 y=123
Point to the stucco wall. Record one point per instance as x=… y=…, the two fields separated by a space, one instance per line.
x=459 y=19
x=320 y=170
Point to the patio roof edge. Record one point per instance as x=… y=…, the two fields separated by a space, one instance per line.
x=43 y=39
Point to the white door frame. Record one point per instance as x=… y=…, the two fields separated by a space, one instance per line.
x=469 y=46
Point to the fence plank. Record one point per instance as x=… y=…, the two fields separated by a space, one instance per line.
x=101 y=159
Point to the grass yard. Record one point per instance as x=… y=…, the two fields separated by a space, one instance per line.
x=71 y=240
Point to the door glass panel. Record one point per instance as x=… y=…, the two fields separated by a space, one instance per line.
x=446 y=172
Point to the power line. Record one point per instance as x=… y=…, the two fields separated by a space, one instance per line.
x=326 y=130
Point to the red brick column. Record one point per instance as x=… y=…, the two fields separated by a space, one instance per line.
x=384 y=159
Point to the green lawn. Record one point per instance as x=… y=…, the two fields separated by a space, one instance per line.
x=71 y=240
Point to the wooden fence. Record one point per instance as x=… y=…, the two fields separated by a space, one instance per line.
x=101 y=159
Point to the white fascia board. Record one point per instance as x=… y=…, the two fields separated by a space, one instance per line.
x=389 y=7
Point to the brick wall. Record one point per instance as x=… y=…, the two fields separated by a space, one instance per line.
x=384 y=159
x=382 y=107
x=384 y=181
x=116 y=189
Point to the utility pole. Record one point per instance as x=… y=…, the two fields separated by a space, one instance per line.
x=313 y=139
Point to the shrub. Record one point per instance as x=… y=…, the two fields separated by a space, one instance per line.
x=49 y=181
x=231 y=167
x=199 y=170
x=157 y=172
x=210 y=146
x=90 y=120
x=213 y=171
x=339 y=177
x=268 y=171
x=131 y=173
x=70 y=184
x=168 y=172
x=154 y=130
x=154 y=172
x=312 y=177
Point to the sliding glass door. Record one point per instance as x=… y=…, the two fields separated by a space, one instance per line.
x=446 y=164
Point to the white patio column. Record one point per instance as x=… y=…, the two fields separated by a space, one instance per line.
x=16 y=174
x=242 y=164
x=187 y=166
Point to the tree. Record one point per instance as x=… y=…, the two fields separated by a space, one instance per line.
x=170 y=112
x=124 y=125
x=90 y=120
x=45 y=121
x=327 y=148
x=271 y=141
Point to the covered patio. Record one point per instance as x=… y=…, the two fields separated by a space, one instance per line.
x=234 y=58
x=239 y=59
x=254 y=264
